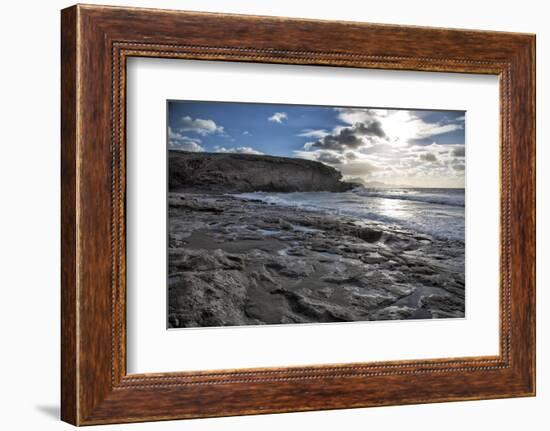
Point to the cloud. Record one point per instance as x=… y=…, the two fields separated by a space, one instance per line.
x=348 y=163
x=400 y=126
x=391 y=146
x=350 y=137
x=395 y=142
x=247 y=133
x=459 y=152
x=200 y=126
x=359 y=115
x=278 y=117
x=416 y=165
x=427 y=130
x=311 y=133
x=431 y=165
x=428 y=157
x=358 y=168
x=345 y=138
x=189 y=146
x=374 y=128
x=327 y=157
x=178 y=141
x=241 y=150
x=330 y=158
x=458 y=164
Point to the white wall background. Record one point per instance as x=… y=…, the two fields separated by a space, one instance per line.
x=29 y=215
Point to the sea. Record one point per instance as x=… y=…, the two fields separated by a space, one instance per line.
x=438 y=212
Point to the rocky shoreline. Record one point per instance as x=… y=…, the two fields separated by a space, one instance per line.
x=235 y=262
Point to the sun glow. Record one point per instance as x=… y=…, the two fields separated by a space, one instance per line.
x=400 y=127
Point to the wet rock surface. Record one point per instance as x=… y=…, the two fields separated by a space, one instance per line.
x=235 y=262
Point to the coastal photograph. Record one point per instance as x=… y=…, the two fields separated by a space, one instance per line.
x=301 y=214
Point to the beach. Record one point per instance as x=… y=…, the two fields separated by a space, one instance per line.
x=258 y=258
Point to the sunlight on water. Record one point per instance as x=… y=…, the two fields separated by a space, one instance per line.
x=435 y=212
x=393 y=208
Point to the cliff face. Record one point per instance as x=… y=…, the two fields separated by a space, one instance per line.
x=227 y=172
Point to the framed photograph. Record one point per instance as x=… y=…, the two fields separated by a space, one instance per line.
x=263 y=214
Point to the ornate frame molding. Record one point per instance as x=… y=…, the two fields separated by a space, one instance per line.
x=96 y=41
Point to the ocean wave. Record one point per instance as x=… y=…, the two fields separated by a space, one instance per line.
x=452 y=197
x=422 y=212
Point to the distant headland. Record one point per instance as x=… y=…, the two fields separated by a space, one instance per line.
x=235 y=173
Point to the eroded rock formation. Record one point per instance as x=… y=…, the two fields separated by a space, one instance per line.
x=228 y=172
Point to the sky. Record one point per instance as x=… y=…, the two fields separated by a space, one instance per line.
x=377 y=146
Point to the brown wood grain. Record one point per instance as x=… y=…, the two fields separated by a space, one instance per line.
x=69 y=371
x=96 y=41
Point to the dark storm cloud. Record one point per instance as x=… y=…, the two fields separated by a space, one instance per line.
x=346 y=138
x=350 y=137
x=458 y=164
x=372 y=129
x=459 y=152
x=428 y=157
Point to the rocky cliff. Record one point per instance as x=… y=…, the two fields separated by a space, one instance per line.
x=225 y=172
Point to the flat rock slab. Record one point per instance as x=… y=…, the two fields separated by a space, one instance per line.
x=235 y=262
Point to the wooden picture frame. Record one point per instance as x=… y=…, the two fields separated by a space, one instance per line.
x=95 y=43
